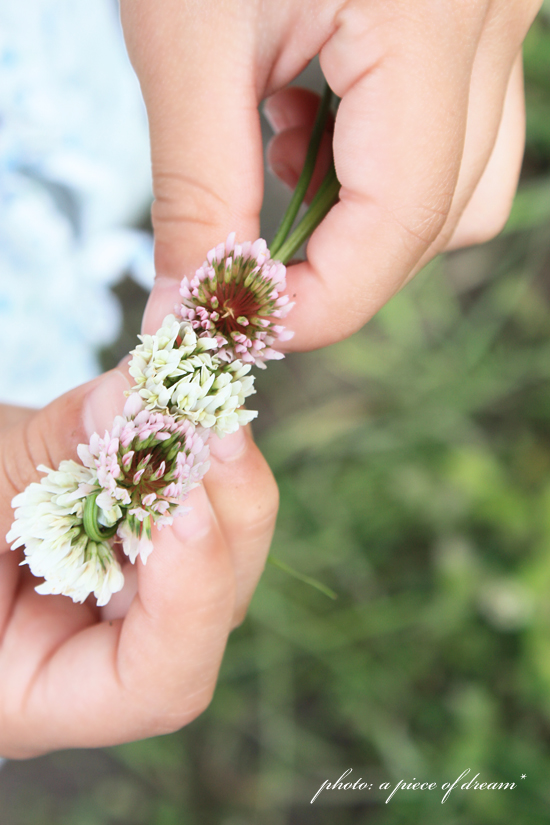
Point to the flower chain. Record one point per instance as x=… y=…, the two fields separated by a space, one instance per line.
x=191 y=379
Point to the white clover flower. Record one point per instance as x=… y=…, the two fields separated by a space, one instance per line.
x=49 y=524
x=159 y=357
x=89 y=568
x=181 y=374
x=191 y=378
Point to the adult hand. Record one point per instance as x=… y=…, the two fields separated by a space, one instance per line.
x=428 y=138
x=73 y=675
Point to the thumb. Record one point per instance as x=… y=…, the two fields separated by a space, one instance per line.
x=50 y=435
x=195 y=65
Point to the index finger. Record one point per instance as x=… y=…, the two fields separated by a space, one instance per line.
x=196 y=69
x=403 y=75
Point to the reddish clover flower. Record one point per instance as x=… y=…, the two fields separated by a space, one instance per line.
x=235 y=297
x=146 y=466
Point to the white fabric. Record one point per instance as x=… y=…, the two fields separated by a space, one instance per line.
x=74 y=177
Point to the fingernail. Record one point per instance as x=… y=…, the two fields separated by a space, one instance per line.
x=229 y=447
x=197 y=521
x=275 y=114
x=285 y=173
x=104 y=402
x=124 y=363
x=164 y=298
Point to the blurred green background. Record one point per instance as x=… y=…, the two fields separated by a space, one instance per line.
x=414 y=466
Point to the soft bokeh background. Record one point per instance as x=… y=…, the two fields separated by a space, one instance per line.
x=414 y=467
x=75 y=183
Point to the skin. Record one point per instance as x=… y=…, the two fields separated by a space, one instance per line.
x=427 y=144
x=73 y=675
x=427 y=141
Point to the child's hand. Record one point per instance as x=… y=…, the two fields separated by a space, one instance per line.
x=73 y=675
x=428 y=139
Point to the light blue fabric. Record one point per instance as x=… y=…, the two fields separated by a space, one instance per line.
x=74 y=178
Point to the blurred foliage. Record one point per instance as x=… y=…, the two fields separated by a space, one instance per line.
x=414 y=467
x=537 y=81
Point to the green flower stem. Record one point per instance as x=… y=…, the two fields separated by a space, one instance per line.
x=300 y=576
x=305 y=176
x=325 y=197
x=93 y=529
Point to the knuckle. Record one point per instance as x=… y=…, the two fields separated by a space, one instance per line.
x=18 y=460
x=424 y=222
x=45 y=437
x=181 y=198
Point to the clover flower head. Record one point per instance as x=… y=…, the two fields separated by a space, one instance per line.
x=146 y=467
x=179 y=373
x=49 y=524
x=235 y=297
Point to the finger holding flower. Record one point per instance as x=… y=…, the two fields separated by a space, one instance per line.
x=75 y=674
x=146 y=661
x=190 y=382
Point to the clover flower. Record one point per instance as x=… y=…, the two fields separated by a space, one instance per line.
x=191 y=378
x=146 y=467
x=181 y=374
x=49 y=523
x=235 y=297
